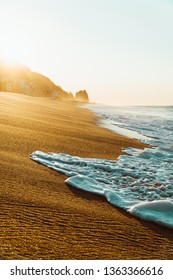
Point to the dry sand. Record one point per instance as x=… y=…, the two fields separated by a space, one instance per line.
x=43 y=218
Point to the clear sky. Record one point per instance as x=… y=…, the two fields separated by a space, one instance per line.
x=120 y=51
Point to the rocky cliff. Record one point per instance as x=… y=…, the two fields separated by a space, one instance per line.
x=21 y=79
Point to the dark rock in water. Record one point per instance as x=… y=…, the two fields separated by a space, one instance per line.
x=82 y=96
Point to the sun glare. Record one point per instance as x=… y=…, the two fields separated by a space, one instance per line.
x=12 y=56
x=12 y=51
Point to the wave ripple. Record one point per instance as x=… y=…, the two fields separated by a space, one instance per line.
x=137 y=183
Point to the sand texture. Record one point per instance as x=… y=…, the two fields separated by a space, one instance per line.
x=43 y=218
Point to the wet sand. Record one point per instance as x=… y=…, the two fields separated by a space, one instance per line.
x=43 y=218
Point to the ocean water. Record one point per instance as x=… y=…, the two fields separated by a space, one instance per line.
x=140 y=181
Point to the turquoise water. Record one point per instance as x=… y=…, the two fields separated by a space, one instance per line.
x=141 y=181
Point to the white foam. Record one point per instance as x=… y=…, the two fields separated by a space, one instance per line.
x=141 y=181
x=135 y=180
x=160 y=212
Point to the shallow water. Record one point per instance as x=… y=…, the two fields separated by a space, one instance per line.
x=141 y=181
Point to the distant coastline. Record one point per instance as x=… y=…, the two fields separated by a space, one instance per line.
x=21 y=79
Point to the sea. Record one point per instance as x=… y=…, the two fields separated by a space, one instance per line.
x=140 y=181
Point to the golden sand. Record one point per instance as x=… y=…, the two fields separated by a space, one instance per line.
x=43 y=218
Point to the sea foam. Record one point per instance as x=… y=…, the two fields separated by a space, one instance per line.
x=140 y=181
x=132 y=187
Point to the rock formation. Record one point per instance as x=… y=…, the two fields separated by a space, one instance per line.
x=21 y=79
x=82 y=96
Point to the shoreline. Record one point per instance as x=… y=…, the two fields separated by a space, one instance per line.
x=43 y=218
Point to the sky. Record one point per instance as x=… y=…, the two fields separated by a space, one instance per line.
x=120 y=51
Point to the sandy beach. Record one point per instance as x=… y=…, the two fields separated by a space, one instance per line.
x=43 y=218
